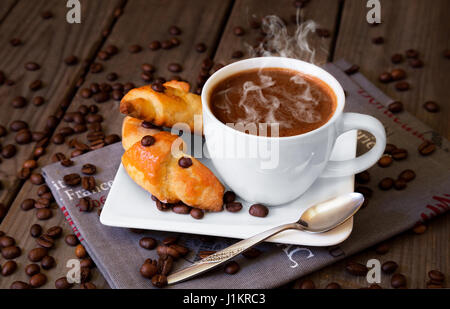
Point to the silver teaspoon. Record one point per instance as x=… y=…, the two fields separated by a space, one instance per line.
x=319 y=218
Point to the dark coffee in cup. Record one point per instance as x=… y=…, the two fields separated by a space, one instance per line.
x=297 y=102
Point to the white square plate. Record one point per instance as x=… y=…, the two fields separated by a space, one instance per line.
x=130 y=206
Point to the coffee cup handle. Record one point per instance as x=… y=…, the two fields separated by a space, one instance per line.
x=349 y=122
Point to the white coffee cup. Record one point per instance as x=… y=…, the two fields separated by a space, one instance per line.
x=301 y=159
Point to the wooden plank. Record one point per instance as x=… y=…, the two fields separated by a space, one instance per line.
x=406 y=25
x=47 y=42
x=416 y=255
x=6 y=7
x=142 y=22
x=246 y=11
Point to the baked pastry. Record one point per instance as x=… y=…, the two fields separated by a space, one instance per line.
x=165 y=109
x=133 y=130
x=158 y=165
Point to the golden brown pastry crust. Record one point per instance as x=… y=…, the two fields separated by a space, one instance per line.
x=133 y=132
x=176 y=105
x=156 y=169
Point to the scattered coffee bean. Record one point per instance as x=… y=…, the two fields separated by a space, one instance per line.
x=175 y=68
x=37 y=179
x=333 y=286
x=71 y=240
x=385 y=77
x=36 y=85
x=112 y=139
x=9 y=151
x=356 y=269
x=397 y=58
x=170 y=240
x=18 y=125
x=88 y=286
x=7 y=241
x=229 y=197
x=181 y=209
x=416 y=63
x=352 y=70
x=149 y=269
x=259 y=210
x=382 y=248
x=200 y=47
x=197 y=214
x=20 y=285
x=398 y=74
x=19 y=102
x=238 y=31
x=37 y=254
x=363 y=177
x=389 y=267
x=185 y=162
x=412 y=53
x=431 y=107
x=63 y=284
x=88 y=183
x=399 y=154
x=32 y=269
x=378 y=40
x=148 y=141
x=48 y=262
x=174 y=30
x=159 y=281
x=86 y=204
x=436 y=275
x=252 y=253
x=420 y=229
x=385 y=161
x=158 y=87
x=155 y=45
x=45 y=241
x=398 y=281
x=148 y=243
x=167 y=44
x=96 y=68
x=3 y=131
x=233 y=207
x=427 y=148
x=55 y=232
x=232 y=268
x=35 y=230
x=10 y=253
x=38 y=280
x=80 y=252
x=402 y=86
x=27 y=204
x=32 y=66
x=386 y=184
x=8 y=268
x=44 y=214
x=396 y=107
x=72 y=180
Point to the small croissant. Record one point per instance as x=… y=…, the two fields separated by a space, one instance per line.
x=163 y=170
x=173 y=106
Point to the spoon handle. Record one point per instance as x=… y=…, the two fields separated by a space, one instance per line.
x=227 y=254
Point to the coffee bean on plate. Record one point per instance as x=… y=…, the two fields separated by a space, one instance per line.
x=229 y=197
x=356 y=269
x=233 y=207
x=259 y=210
x=398 y=281
x=232 y=268
x=35 y=230
x=397 y=58
x=389 y=267
x=148 y=243
x=181 y=209
x=197 y=214
x=396 y=107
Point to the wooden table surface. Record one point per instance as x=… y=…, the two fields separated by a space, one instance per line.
x=406 y=24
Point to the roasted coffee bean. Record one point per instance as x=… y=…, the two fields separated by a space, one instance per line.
x=397 y=58
x=27 y=204
x=352 y=70
x=67 y=163
x=18 y=125
x=7 y=241
x=8 y=268
x=407 y=175
x=396 y=107
x=385 y=161
x=155 y=45
x=175 y=42
x=42 y=203
x=71 y=60
x=112 y=50
x=259 y=210
x=436 y=275
x=148 y=141
x=19 y=102
x=431 y=107
x=427 y=148
x=39 y=136
x=35 y=230
x=233 y=207
x=238 y=31
x=45 y=241
x=95 y=136
x=399 y=154
x=63 y=284
x=398 y=74
x=148 y=68
x=37 y=179
x=382 y=248
x=38 y=280
x=158 y=87
x=356 y=269
x=400 y=184
x=24 y=174
x=398 y=281
x=386 y=184
x=96 y=68
x=3 y=131
x=164 y=251
x=88 y=183
x=229 y=197
x=175 y=68
x=159 y=281
x=15 y=42
x=112 y=76
x=232 y=268
x=47 y=15
x=112 y=139
x=165 y=265
x=39 y=152
x=19 y=285
x=32 y=269
x=402 y=86
x=185 y=162
x=117 y=95
x=58 y=139
x=134 y=49
x=419 y=229
x=416 y=63
x=148 y=243
x=55 y=232
x=101 y=97
x=181 y=209
x=38 y=101
x=252 y=253
x=9 y=151
x=200 y=47
x=197 y=214
x=36 y=85
x=89 y=169
x=71 y=240
x=412 y=53
x=378 y=40
x=374 y=286
x=304 y=285
x=72 y=180
x=10 y=253
x=389 y=267
x=87 y=262
x=44 y=214
x=48 y=262
x=24 y=137
x=183 y=251
x=32 y=66
x=86 y=204
x=174 y=30
x=333 y=286
x=170 y=240
x=385 y=77
x=80 y=251
x=86 y=93
x=238 y=54
x=363 y=177
x=149 y=269
x=31 y=164
x=52 y=122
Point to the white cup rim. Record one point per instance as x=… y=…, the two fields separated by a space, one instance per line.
x=274 y=62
